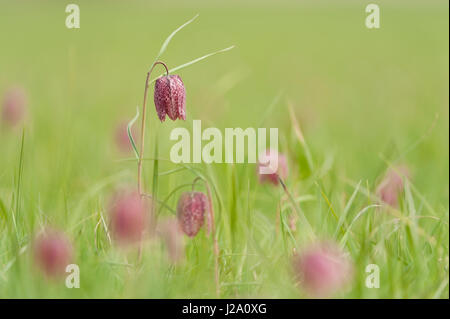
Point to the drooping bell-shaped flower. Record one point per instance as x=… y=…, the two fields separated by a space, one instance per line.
x=14 y=106
x=272 y=164
x=392 y=185
x=192 y=209
x=128 y=217
x=323 y=269
x=52 y=252
x=170 y=98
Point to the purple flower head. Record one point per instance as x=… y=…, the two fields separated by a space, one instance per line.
x=323 y=269
x=14 y=106
x=275 y=163
x=52 y=252
x=170 y=98
x=170 y=232
x=191 y=210
x=392 y=185
x=128 y=217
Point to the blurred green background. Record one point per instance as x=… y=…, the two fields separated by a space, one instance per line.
x=363 y=97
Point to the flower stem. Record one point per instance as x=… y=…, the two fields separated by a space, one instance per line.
x=144 y=107
x=304 y=221
x=141 y=153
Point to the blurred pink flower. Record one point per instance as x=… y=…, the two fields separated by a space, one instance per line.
x=392 y=185
x=52 y=252
x=272 y=156
x=128 y=219
x=172 y=235
x=323 y=270
x=14 y=106
x=191 y=210
x=170 y=98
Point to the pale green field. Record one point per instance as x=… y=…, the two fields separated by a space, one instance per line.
x=365 y=99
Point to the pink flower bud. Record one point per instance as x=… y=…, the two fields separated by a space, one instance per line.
x=275 y=163
x=170 y=98
x=191 y=210
x=392 y=185
x=121 y=137
x=172 y=235
x=128 y=217
x=323 y=270
x=52 y=253
x=14 y=106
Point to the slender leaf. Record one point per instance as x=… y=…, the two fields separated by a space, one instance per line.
x=169 y=38
x=347 y=209
x=182 y=66
x=130 y=135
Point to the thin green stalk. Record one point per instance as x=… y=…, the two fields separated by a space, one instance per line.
x=144 y=113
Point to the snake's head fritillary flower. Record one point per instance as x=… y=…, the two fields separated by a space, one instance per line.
x=128 y=217
x=392 y=185
x=170 y=98
x=170 y=232
x=14 y=106
x=52 y=252
x=272 y=164
x=191 y=211
x=323 y=269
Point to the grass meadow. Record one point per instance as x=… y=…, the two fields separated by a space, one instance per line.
x=363 y=101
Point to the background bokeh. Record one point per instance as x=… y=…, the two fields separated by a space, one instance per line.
x=364 y=99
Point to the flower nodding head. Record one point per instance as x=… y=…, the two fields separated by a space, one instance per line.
x=272 y=165
x=191 y=210
x=128 y=217
x=14 y=106
x=323 y=269
x=170 y=98
x=52 y=252
x=392 y=185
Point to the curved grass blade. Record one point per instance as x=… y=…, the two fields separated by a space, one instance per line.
x=169 y=38
x=300 y=136
x=164 y=202
x=296 y=208
x=346 y=210
x=182 y=66
x=200 y=58
x=16 y=212
x=130 y=136
x=175 y=170
x=330 y=206
x=344 y=237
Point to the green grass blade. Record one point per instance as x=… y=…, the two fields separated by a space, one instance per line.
x=169 y=38
x=347 y=209
x=176 y=189
x=3 y=211
x=130 y=135
x=330 y=206
x=365 y=209
x=182 y=66
x=15 y=215
x=199 y=59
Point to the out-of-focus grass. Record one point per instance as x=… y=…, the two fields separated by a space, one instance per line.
x=364 y=99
